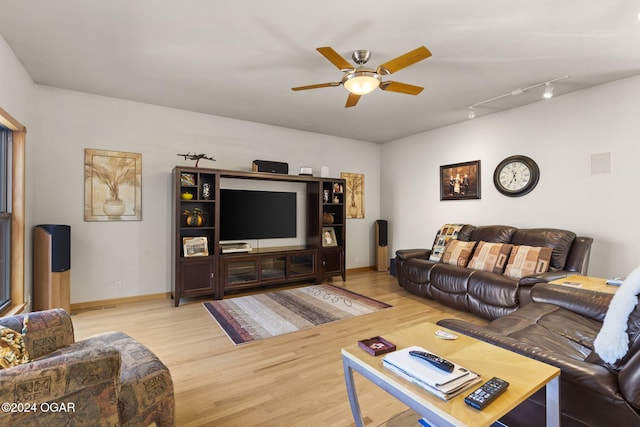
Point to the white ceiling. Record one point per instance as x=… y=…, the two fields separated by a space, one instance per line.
x=240 y=58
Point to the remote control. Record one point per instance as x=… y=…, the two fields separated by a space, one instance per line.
x=436 y=361
x=486 y=393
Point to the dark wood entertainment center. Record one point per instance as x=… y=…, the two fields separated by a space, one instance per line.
x=206 y=270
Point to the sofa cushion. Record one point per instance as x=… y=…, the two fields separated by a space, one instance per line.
x=493 y=233
x=458 y=253
x=559 y=241
x=490 y=257
x=446 y=233
x=526 y=260
x=12 y=348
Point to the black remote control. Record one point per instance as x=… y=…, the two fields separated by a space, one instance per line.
x=486 y=393
x=436 y=361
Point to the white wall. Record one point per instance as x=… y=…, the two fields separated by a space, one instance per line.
x=120 y=259
x=560 y=134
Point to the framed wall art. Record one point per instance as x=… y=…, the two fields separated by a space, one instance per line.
x=354 y=197
x=112 y=185
x=460 y=181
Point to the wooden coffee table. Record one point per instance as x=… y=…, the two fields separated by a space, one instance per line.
x=525 y=375
x=596 y=284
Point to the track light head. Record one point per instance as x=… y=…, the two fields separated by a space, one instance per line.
x=472 y=113
x=548 y=91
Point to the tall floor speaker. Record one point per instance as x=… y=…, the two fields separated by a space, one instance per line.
x=382 y=248
x=52 y=267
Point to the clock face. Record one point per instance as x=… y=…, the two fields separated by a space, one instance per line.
x=516 y=176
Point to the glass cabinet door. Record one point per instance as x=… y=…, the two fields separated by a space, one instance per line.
x=302 y=264
x=241 y=270
x=273 y=267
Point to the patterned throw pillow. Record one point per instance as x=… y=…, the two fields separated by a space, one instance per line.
x=458 y=253
x=525 y=260
x=12 y=349
x=490 y=257
x=446 y=233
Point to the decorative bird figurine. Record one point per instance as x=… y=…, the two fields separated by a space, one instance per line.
x=196 y=157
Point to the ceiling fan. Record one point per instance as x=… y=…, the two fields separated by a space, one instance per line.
x=361 y=80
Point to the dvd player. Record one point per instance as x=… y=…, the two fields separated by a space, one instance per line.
x=229 y=248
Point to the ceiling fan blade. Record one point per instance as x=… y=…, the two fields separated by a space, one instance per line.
x=335 y=58
x=404 y=61
x=352 y=100
x=317 y=86
x=401 y=88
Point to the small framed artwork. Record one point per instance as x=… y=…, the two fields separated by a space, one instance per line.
x=195 y=246
x=187 y=179
x=329 y=236
x=460 y=181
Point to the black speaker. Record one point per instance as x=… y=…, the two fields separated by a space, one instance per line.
x=268 y=166
x=60 y=246
x=382 y=232
x=382 y=251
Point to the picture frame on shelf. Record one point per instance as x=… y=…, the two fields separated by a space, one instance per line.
x=460 y=181
x=195 y=246
x=187 y=179
x=329 y=237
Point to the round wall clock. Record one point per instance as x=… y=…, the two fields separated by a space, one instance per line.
x=516 y=176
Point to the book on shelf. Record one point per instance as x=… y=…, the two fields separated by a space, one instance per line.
x=445 y=385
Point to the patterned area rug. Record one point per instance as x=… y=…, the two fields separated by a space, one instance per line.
x=267 y=315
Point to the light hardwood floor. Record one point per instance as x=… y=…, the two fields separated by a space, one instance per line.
x=290 y=380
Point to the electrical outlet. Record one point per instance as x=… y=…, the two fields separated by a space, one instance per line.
x=118 y=284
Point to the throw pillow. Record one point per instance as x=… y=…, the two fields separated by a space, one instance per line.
x=12 y=349
x=526 y=260
x=458 y=253
x=446 y=233
x=490 y=257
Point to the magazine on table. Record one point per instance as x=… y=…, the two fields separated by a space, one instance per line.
x=445 y=385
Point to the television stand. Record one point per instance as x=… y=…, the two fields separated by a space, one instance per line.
x=268 y=267
x=202 y=266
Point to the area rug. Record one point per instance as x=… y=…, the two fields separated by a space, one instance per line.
x=267 y=315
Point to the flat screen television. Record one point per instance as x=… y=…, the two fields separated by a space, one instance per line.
x=251 y=214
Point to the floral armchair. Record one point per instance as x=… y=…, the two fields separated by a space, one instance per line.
x=108 y=379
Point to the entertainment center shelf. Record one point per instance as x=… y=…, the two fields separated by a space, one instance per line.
x=200 y=267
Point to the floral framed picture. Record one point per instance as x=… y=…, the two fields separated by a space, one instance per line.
x=354 y=194
x=460 y=181
x=112 y=185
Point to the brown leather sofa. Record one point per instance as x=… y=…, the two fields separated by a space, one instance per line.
x=487 y=294
x=558 y=327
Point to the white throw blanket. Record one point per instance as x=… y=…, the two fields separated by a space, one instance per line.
x=612 y=341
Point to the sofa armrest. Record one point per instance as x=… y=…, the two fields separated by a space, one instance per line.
x=47 y=330
x=546 y=277
x=65 y=373
x=88 y=379
x=587 y=303
x=405 y=254
x=588 y=375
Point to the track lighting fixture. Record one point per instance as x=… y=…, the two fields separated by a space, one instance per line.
x=548 y=93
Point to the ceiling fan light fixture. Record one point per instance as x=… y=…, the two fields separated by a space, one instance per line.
x=361 y=82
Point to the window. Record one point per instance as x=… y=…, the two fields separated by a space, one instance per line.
x=5 y=218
